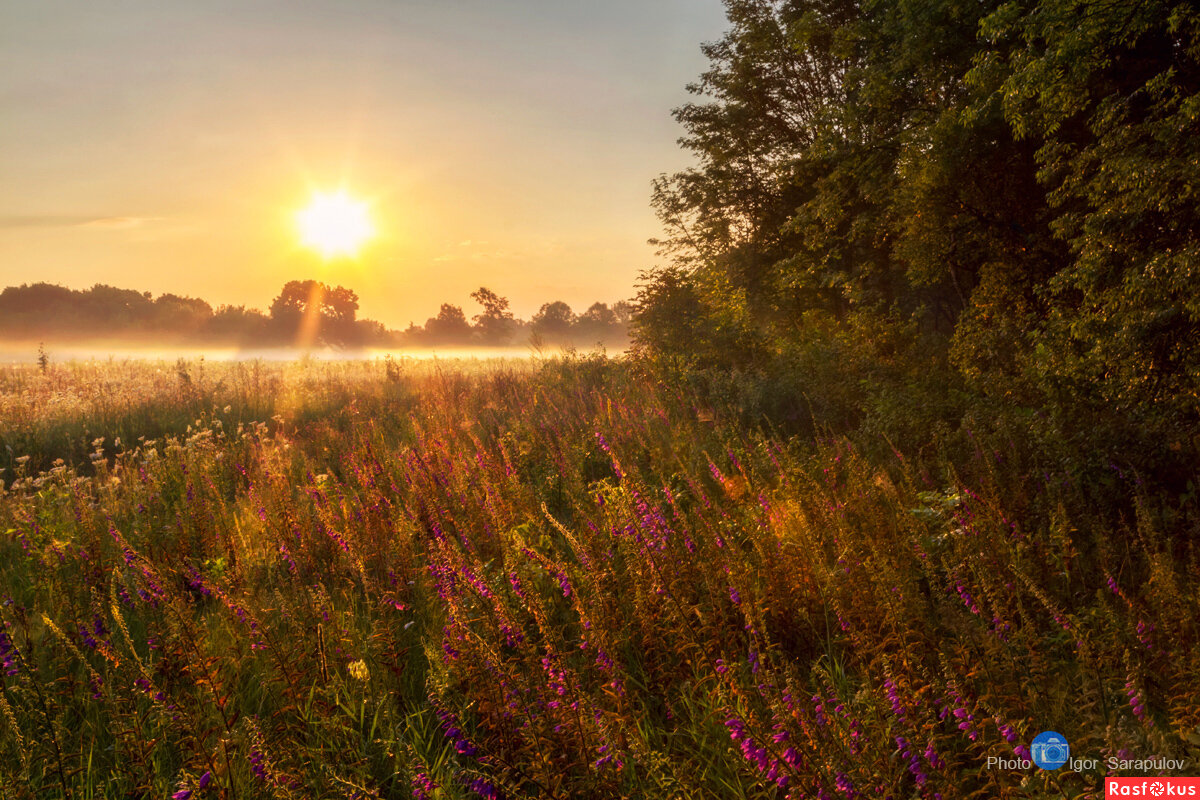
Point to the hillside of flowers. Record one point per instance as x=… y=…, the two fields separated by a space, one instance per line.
x=558 y=579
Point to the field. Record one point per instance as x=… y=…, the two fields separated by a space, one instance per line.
x=559 y=578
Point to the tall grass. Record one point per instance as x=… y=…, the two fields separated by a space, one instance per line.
x=558 y=579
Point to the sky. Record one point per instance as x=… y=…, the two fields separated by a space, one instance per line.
x=167 y=145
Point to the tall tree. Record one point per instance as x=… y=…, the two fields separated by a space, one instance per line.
x=450 y=326
x=311 y=308
x=553 y=322
x=494 y=324
x=1109 y=94
x=597 y=324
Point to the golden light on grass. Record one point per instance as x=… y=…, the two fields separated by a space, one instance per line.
x=334 y=224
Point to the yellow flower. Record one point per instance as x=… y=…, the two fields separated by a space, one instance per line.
x=358 y=670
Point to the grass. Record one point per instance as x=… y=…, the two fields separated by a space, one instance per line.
x=562 y=578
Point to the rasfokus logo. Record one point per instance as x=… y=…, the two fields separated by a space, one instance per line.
x=1151 y=787
x=1050 y=750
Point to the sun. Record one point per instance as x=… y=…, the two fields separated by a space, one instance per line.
x=334 y=224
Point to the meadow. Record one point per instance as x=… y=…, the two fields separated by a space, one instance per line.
x=559 y=578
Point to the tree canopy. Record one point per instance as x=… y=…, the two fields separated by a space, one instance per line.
x=1011 y=184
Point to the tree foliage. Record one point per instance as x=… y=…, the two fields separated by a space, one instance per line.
x=450 y=326
x=494 y=323
x=1015 y=181
x=554 y=322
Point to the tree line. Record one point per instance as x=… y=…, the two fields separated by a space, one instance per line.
x=1000 y=193
x=305 y=313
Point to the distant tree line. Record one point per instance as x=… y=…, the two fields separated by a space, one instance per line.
x=1004 y=195
x=305 y=313
x=554 y=324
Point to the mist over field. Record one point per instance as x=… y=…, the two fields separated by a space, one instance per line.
x=27 y=353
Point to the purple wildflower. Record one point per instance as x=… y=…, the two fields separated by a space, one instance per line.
x=483 y=788
x=423 y=786
x=257 y=765
x=9 y=654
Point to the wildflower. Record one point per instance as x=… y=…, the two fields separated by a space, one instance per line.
x=1144 y=629
x=450 y=729
x=257 y=765
x=564 y=584
x=182 y=794
x=515 y=582
x=422 y=786
x=897 y=707
x=1137 y=703
x=737 y=729
x=932 y=757
x=966 y=597
x=358 y=670
x=914 y=763
x=8 y=654
x=205 y=780
x=605 y=758
x=483 y=788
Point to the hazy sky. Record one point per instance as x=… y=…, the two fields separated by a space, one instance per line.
x=165 y=145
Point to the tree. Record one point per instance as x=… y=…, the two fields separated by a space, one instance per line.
x=311 y=308
x=603 y=324
x=623 y=312
x=495 y=324
x=37 y=309
x=599 y=315
x=109 y=309
x=553 y=322
x=182 y=314
x=848 y=167
x=237 y=324
x=450 y=326
x=1108 y=96
x=670 y=317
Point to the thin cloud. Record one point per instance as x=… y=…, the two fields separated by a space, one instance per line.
x=119 y=223
x=115 y=223
x=538 y=249
x=43 y=221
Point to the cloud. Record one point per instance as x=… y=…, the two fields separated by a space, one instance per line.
x=42 y=221
x=119 y=223
x=537 y=249
x=76 y=221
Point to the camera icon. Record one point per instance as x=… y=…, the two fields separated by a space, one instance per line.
x=1050 y=750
